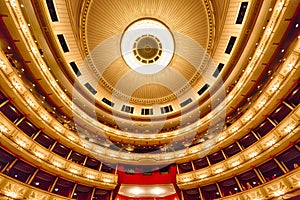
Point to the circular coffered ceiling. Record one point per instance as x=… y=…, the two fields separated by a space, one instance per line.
x=146 y=44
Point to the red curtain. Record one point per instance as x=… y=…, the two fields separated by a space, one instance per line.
x=172 y=197
x=154 y=178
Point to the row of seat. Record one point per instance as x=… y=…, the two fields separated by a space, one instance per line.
x=252 y=178
x=15 y=116
x=24 y=172
x=253 y=136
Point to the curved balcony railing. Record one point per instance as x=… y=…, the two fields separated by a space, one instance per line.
x=28 y=149
x=276 y=140
x=13 y=189
x=266 y=39
x=287 y=72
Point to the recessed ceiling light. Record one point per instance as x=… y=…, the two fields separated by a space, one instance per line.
x=136 y=191
x=157 y=191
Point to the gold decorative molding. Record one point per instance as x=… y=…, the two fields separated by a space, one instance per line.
x=283 y=187
x=272 y=143
x=135 y=137
x=22 y=145
x=289 y=69
x=13 y=189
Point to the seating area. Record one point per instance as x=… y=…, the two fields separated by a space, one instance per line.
x=283 y=163
x=85 y=114
x=28 y=174
x=290 y=103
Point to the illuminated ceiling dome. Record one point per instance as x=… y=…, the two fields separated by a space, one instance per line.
x=144 y=66
x=107 y=42
x=95 y=90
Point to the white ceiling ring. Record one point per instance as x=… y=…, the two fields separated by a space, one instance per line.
x=147 y=46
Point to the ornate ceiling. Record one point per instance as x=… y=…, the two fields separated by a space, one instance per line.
x=186 y=21
x=228 y=96
x=162 y=102
x=193 y=99
x=101 y=41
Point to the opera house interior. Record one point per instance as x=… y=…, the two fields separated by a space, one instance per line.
x=149 y=99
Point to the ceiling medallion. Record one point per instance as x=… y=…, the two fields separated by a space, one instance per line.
x=147 y=49
x=147 y=46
